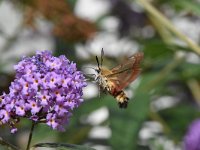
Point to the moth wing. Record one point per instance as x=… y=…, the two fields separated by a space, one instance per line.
x=123 y=74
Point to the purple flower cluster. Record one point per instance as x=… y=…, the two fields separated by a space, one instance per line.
x=46 y=89
x=192 y=138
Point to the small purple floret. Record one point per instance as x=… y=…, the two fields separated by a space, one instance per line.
x=13 y=130
x=45 y=89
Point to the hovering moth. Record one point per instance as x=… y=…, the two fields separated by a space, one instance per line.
x=114 y=80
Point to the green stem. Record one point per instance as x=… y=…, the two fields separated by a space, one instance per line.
x=30 y=135
x=164 y=33
x=165 y=22
x=194 y=88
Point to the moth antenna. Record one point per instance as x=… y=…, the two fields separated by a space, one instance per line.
x=97 y=62
x=102 y=54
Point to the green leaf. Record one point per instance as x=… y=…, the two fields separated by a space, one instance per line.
x=4 y=145
x=188 y=5
x=60 y=146
x=156 y=48
x=190 y=71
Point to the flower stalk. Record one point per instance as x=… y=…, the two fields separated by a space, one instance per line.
x=30 y=135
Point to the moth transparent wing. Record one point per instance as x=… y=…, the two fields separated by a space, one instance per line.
x=123 y=74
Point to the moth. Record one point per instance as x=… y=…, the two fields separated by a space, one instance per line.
x=114 y=80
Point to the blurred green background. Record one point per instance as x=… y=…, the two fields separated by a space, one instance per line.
x=164 y=99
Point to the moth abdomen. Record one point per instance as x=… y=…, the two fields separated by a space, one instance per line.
x=122 y=99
